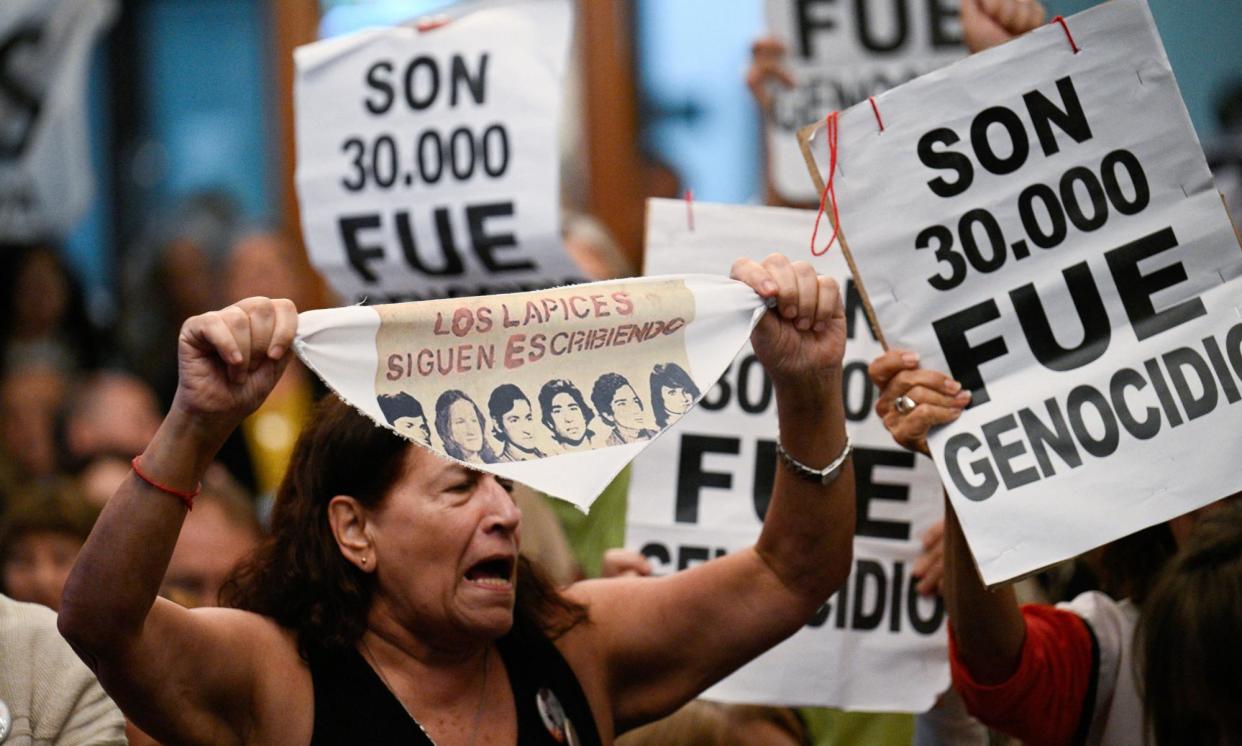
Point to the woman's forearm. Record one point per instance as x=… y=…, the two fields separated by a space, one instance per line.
x=808 y=532
x=120 y=568
x=987 y=624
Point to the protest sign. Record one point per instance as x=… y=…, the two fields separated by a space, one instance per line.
x=427 y=156
x=701 y=491
x=46 y=179
x=549 y=388
x=839 y=53
x=1062 y=252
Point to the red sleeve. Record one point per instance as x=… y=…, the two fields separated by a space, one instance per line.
x=1042 y=703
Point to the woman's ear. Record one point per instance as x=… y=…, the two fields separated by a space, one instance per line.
x=348 y=520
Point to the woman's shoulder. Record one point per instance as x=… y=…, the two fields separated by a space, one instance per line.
x=250 y=624
x=1103 y=613
x=580 y=647
x=282 y=681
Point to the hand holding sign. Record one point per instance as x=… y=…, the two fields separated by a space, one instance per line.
x=840 y=53
x=804 y=335
x=229 y=360
x=767 y=69
x=703 y=490
x=1062 y=253
x=938 y=398
x=556 y=389
x=986 y=23
x=427 y=156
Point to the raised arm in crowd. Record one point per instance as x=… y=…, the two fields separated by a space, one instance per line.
x=1156 y=660
x=390 y=603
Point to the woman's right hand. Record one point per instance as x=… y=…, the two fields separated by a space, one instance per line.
x=987 y=23
x=767 y=66
x=937 y=397
x=229 y=360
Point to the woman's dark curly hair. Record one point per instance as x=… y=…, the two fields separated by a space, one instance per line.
x=299 y=577
x=1186 y=644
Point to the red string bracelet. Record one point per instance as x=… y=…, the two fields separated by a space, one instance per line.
x=187 y=498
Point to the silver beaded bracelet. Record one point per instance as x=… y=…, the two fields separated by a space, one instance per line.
x=826 y=475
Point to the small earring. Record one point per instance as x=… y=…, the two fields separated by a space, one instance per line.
x=364 y=560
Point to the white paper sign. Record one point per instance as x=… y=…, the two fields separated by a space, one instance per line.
x=549 y=388
x=1041 y=224
x=697 y=493
x=46 y=179
x=839 y=53
x=427 y=159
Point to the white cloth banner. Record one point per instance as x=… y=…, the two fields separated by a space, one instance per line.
x=427 y=159
x=1059 y=248
x=46 y=179
x=697 y=493
x=549 y=388
x=839 y=53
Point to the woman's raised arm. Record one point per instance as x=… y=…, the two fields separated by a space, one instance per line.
x=655 y=643
x=179 y=674
x=987 y=625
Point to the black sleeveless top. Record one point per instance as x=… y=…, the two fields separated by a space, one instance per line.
x=354 y=706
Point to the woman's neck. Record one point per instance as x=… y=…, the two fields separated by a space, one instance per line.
x=447 y=693
x=432 y=673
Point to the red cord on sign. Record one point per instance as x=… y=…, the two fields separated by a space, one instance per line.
x=432 y=23
x=690 y=209
x=830 y=191
x=876 y=109
x=1068 y=35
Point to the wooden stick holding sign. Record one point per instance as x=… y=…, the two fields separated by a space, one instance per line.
x=805 y=135
x=1236 y=233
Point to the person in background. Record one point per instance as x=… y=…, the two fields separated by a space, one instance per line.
x=767 y=74
x=216 y=537
x=47 y=695
x=110 y=412
x=705 y=723
x=43 y=315
x=99 y=477
x=985 y=23
x=269 y=263
x=40 y=537
x=1224 y=150
x=30 y=398
x=1043 y=674
x=177 y=270
x=1187 y=638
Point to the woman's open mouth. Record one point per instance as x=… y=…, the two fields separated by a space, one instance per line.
x=494 y=572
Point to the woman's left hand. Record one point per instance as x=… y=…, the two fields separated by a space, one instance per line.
x=803 y=337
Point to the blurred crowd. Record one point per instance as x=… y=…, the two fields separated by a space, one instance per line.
x=79 y=399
